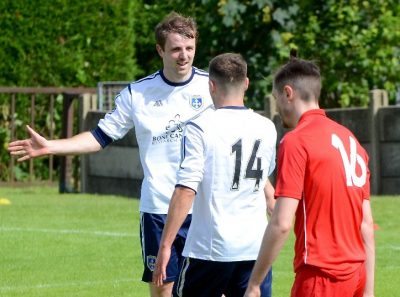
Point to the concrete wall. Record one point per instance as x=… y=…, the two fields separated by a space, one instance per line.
x=389 y=140
x=117 y=169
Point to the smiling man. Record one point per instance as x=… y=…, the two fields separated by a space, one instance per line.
x=157 y=106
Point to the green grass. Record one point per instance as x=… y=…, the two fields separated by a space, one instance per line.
x=87 y=245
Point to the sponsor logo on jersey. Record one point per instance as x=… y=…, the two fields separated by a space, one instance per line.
x=196 y=102
x=158 y=103
x=151 y=262
x=173 y=131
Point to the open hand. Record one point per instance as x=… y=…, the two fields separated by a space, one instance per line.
x=33 y=147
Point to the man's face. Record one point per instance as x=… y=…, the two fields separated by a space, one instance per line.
x=177 y=56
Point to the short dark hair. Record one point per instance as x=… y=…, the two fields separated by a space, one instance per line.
x=228 y=69
x=304 y=76
x=175 y=23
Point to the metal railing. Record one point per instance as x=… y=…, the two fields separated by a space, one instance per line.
x=106 y=92
x=67 y=96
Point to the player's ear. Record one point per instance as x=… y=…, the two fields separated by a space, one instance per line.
x=211 y=86
x=288 y=92
x=159 y=50
x=246 y=83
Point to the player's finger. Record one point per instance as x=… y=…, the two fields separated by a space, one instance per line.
x=163 y=275
x=18 y=152
x=30 y=130
x=24 y=158
x=16 y=144
x=156 y=278
x=159 y=281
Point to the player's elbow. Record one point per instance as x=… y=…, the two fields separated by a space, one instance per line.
x=367 y=230
x=281 y=226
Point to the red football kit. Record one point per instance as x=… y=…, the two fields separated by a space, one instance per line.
x=322 y=164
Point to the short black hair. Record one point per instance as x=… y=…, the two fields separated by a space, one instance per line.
x=304 y=76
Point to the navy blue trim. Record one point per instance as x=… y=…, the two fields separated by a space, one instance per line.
x=184 y=148
x=101 y=137
x=194 y=125
x=183 y=151
x=149 y=77
x=233 y=107
x=177 y=84
x=186 y=187
x=129 y=89
x=201 y=72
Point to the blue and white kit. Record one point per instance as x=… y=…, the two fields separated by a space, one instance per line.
x=158 y=110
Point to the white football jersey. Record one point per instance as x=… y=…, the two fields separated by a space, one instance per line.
x=227 y=155
x=158 y=109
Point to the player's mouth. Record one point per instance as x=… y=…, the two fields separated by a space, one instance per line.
x=182 y=64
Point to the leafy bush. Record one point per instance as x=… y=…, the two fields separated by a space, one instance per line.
x=60 y=43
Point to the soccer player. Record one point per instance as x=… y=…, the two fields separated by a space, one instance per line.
x=322 y=182
x=158 y=106
x=227 y=155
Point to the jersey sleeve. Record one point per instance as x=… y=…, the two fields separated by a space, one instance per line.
x=292 y=159
x=119 y=121
x=191 y=169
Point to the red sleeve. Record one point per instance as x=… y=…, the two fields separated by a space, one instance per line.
x=292 y=159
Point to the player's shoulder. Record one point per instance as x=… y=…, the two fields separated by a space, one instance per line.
x=146 y=79
x=200 y=73
x=206 y=115
x=142 y=83
x=290 y=138
x=203 y=119
x=261 y=119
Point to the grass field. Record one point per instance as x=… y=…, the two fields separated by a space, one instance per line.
x=88 y=245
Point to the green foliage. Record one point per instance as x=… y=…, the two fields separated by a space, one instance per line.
x=354 y=42
x=59 y=43
x=66 y=43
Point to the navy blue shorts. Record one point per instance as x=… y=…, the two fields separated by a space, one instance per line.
x=201 y=278
x=151 y=227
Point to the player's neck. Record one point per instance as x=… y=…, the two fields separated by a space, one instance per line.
x=228 y=102
x=177 y=77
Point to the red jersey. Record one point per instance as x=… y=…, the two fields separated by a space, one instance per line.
x=322 y=164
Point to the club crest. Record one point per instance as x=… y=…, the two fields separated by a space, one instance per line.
x=196 y=102
x=151 y=262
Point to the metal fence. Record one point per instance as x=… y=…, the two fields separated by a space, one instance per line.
x=106 y=92
x=57 y=99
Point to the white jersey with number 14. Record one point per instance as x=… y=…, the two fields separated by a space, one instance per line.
x=227 y=155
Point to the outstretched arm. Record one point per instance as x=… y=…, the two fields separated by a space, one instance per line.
x=181 y=202
x=274 y=237
x=367 y=230
x=37 y=146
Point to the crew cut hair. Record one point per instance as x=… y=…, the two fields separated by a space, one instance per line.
x=302 y=75
x=228 y=69
x=175 y=23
